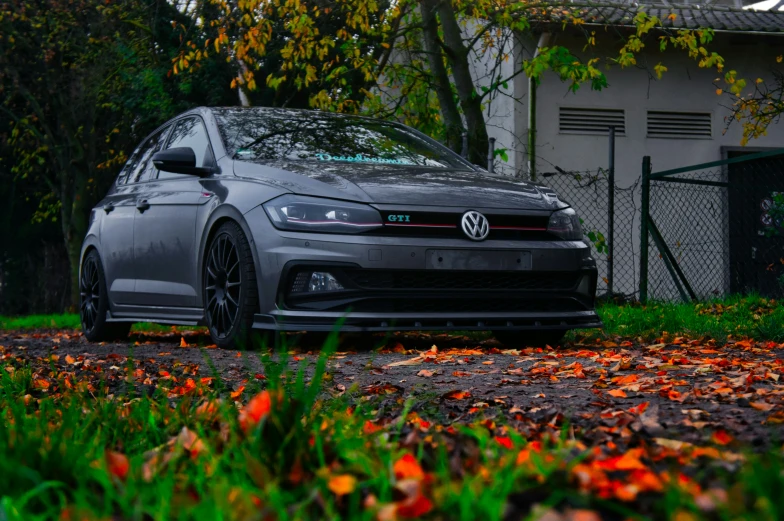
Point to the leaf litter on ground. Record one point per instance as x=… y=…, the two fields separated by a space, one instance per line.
x=653 y=424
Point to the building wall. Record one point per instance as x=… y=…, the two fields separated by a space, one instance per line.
x=684 y=87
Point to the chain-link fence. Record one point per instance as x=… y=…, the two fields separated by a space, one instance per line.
x=716 y=229
x=588 y=193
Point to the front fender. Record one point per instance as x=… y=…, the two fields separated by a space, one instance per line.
x=220 y=214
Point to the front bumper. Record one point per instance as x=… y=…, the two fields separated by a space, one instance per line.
x=390 y=284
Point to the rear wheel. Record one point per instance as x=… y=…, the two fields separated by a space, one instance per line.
x=516 y=339
x=94 y=303
x=229 y=288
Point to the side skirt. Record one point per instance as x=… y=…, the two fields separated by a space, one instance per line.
x=158 y=314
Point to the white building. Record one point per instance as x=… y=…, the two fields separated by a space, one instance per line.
x=677 y=120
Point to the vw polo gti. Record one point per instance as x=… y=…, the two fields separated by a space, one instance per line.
x=289 y=220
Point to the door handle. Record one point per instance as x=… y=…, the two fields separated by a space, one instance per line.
x=142 y=205
x=108 y=207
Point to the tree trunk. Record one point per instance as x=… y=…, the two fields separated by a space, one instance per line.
x=453 y=123
x=470 y=102
x=74 y=215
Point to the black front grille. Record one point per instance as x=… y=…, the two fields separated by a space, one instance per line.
x=483 y=305
x=447 y=225
x=458 y=280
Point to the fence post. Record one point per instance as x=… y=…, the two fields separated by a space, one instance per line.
x=464 y=151
x=611 y=213
x=644 y=216
x=491 y=155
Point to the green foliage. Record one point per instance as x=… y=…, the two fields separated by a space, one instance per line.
x=502 y=153
x=81 y=83
x=735 y=317
x=598 y=240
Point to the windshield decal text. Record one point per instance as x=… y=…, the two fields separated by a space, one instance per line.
x=359 y=158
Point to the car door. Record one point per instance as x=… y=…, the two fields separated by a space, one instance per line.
x=164 y=233
x=116 y=234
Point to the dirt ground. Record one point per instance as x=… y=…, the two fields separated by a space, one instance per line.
x=677 y=391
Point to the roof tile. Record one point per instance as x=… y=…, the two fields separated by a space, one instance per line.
x=686 y=17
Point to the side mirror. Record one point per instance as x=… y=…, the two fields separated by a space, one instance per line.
x=179 y=161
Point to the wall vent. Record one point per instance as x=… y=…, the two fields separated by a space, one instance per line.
x=680 y=125
x=591 y=121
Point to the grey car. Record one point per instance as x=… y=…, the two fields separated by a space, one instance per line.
x=294 y=220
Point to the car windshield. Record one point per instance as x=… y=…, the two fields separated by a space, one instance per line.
x=280 y=135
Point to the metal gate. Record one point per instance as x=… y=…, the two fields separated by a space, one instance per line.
x=713 y=229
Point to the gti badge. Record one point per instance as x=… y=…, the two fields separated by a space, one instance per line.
x=475 y=226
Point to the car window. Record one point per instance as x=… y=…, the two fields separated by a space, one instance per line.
x=141 y=167
x=269 y=136
x=126 y=169
x=190 y=132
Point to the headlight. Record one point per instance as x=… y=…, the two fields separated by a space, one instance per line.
x=299 y=213
x=566 y=225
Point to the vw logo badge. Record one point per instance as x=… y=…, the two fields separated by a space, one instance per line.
x=475 y=226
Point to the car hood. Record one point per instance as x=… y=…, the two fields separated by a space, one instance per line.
x=401 y=185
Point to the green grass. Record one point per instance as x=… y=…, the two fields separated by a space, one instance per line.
x=64 y=321
x=736 y=317
x=71 y=321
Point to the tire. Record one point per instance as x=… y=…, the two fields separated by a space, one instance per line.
x=94 y=303
x=516 y=339
x=229 y=288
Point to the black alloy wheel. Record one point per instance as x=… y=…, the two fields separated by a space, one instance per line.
x=94 y=303
x=517 y=339
x=230 y=294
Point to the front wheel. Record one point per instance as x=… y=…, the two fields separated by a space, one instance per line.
x=229 y=288
x=94 y=303
x=517 y=339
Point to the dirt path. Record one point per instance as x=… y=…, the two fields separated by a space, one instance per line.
x=681 y=391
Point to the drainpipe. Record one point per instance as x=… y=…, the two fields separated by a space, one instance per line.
x=544 y=40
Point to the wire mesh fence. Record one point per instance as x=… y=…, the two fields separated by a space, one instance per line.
x=588 y=193
x=717 y=229
x=714 y=229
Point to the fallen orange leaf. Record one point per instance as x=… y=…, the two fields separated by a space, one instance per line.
x=584 y=515
x=721 y=437
x=117 y=464
x=504 y=441
x=776 y=418
x=622 y=380
x=407 y=467
x=370 y=427
x=618 y=393
x=342 y=484
x=414 y=507
x=256 y=409
x=183 y=343
x=236 y=394
x=457 y=395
